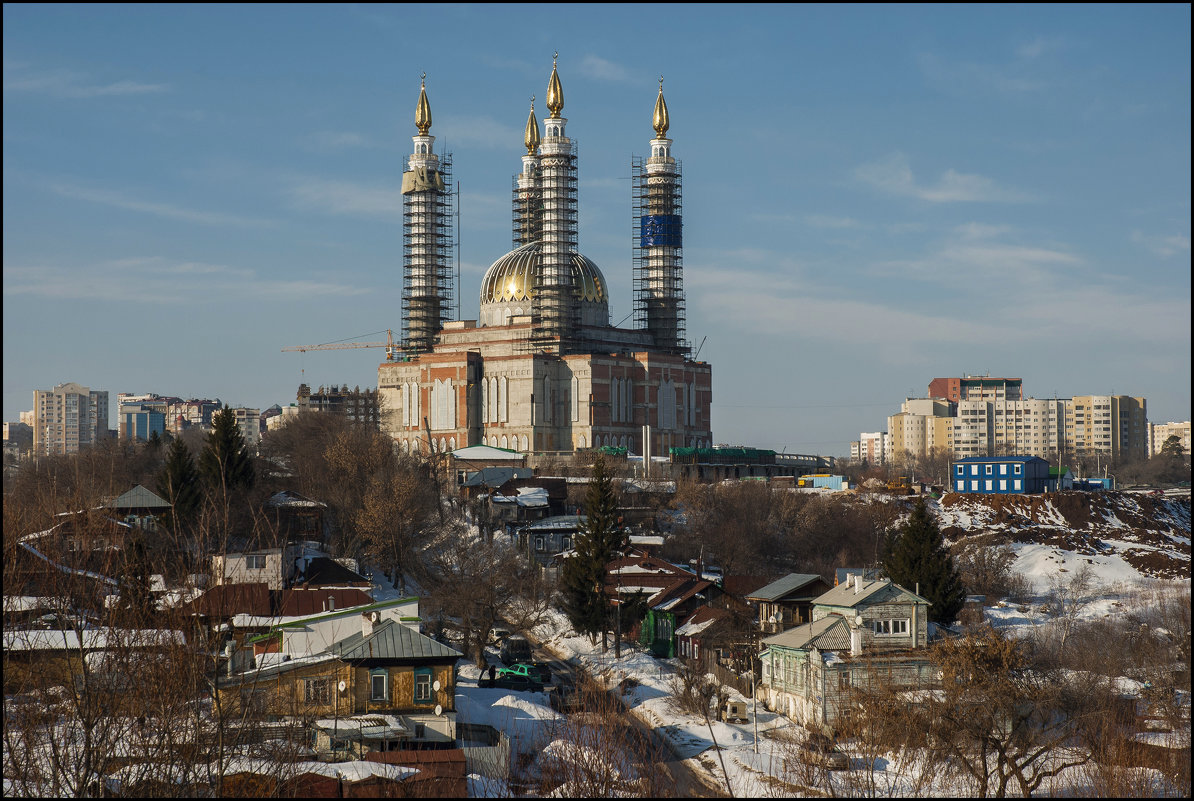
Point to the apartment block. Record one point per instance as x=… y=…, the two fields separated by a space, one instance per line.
x=67 y=418
x=871 y=448
x=978 y=426
x=973 y=387
x=249 y=423
x=1159 y=432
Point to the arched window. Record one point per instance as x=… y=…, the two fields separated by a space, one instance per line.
x=452 y=443
x=503 y=400
x=524 y=443
x=575 y=399
x=581 y=442
x=484 y=401
x=505 y=442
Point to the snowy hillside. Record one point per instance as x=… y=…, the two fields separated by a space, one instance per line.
x=1124 y=536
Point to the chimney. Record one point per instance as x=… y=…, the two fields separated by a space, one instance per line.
x=230 y=652
x=368 y=621
x=857 y=585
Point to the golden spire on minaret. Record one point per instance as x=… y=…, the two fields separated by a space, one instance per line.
x=423 y=112
x=531 y=137
x=660 y=121
x=555 y=92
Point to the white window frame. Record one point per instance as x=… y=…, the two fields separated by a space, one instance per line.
x=255 y=561
x=374 y=675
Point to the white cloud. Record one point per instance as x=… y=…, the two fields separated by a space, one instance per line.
x=596 y=67
x=483 y=132
x=68 y=84
x=894 y=175
x=826 y=221
x=162 y=281
x=963 y=78
x=1163 y=246
x=118 y=200
x=347 y=198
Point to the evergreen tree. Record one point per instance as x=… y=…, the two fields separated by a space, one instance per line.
x=916 y=554
x=600 y=540
x=179 y=483
x=225 y=461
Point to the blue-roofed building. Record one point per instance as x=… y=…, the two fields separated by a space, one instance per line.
x=1000 y=475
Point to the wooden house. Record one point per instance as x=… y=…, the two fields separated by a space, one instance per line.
x=788 y=601
x=862 y=634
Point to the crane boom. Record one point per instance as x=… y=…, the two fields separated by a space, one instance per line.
x=392 y=353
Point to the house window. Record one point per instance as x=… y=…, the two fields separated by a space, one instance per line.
x=538 y=543
x=890 y=628
x=843 y=680
x=565 y=542
x=317 y=691
x=990 y=469
x=1003 y=470
x=1003 y=485
x=255 y=562
x=974 y=486
x=961 y=469
x=961 y=486
x=1016 y=484
x=379 y=685
x=423 y=686
x=1016 y=469
x=988 y=483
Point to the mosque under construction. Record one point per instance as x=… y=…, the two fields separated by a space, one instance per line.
x=542 y=370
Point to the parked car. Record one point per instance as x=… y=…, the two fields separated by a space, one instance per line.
x=539 y=671
x=498 y=634
x=565 y=698
x=515 y=649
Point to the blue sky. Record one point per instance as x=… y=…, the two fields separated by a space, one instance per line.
x=873 y=196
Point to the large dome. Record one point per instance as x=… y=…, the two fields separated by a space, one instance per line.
x=507 y=289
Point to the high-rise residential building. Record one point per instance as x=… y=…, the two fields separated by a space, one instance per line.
x=993 y=419
x=975 y=387
x=27 y=418
x=1112 y=424
x=1159 y=432
x=67 y=418
x=249 y=423
x=871 y=448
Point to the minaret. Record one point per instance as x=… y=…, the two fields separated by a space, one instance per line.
x=554 y=304
x=426 y=237
x=660 y=293
x=528 y=203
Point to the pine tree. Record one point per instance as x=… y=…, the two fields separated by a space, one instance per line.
x=600 y=540
x=225 y=460
x=179 y=482
x=916 y=554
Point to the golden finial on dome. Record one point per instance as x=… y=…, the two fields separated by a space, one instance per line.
x=531 y=137
x=660 y=119
x=423 y=111
x=555 y=92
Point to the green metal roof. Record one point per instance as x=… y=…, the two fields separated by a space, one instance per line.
x=391 y=641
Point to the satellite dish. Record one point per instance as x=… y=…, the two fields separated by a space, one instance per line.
x=439 y=710
x=436 y=686
x=343 y=685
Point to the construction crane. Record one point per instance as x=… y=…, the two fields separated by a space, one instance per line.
x=392 y=353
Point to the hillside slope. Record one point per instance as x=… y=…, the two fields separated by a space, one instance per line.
x=1125 y=536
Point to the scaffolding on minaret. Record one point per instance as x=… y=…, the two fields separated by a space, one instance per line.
x=428 y=245
x=657 y=256
x=554 y=309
